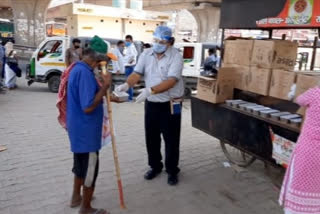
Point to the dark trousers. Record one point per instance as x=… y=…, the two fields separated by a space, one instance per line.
x=129 y=71
x=159 y=121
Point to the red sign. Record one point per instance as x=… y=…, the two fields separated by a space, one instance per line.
x=296 y=13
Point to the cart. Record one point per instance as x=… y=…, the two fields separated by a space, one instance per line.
x=245 y=137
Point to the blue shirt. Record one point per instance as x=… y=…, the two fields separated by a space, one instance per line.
x=84 y=129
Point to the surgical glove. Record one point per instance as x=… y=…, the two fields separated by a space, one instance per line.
x=292 y=92
x=122 y=88
x=144 y=94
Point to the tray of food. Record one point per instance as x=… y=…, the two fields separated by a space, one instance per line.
x=245 y=105
x=296 y=122
x=257 y=110
x=277 y=115
x=288 y=118
x=230 y=102
x=267 y=113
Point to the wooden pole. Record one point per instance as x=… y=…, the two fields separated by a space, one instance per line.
x=113 y=140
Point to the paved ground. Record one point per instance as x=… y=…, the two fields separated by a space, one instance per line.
x=35 y=172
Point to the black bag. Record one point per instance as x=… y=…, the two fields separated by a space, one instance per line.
x=13 y=64
x=15 y=68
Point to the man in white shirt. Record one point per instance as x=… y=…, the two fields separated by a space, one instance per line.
x=118 y=66
x=130 y=60
x=161 y=67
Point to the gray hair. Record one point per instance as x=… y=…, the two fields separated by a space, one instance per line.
x=93 y=55
x=90 y=53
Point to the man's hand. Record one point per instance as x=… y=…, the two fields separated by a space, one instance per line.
x=106 y=80
x=122 y=88
x=115 y=99
x=144 y=94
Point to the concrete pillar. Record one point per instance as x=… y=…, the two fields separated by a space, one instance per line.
x=29 y=18
x=208 y=20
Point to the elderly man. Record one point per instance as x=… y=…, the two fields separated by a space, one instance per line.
x=161 y=67
x=84 y=125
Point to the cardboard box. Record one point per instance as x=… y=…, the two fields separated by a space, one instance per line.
x=217 y=90
x=306 y=81
x=281 y=83
x=275 y=54
x=259 y=80
x=238 y=52
x=241 y=76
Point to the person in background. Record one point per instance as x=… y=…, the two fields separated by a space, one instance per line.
x=212 y=61
x=161 y=68
x=8 y=47
x=118 y=66
x=74 y=53
x=146 y=46
x=2 y=65
x=130 y=61
x=300 y=192
x=172 y=41
x=12 y=70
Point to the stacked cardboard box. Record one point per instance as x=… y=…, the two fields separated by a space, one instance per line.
x=266 y=61
x=238 y=55
x=305 y=81
x=263 y=67
x=278 y=58
x=281 y=83
x=217 y=90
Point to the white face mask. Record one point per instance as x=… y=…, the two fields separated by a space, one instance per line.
x=159 y=48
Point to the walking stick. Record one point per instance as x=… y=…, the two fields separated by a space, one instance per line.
x=113 y=141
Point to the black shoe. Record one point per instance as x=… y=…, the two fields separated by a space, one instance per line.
x=173 y=180
x=151 y=174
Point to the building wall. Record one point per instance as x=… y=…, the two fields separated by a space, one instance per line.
x=140 y=29
x=115 y=28
x=101 y=26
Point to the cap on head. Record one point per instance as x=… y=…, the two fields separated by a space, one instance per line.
x=98 y=45
x=163 y=33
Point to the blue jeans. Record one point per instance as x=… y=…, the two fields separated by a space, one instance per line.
x=129 y=70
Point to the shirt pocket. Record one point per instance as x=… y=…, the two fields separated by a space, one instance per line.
x=163 y=71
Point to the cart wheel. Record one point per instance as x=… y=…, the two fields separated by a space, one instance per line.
x=236 y=156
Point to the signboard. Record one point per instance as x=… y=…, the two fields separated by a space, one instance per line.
x=253 y=14
x=282 y=149
x=296 y=13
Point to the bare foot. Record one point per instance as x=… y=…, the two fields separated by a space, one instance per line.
x=93 y=211
x=75 y=201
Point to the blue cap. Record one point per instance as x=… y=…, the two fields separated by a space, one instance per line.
x=163 y=33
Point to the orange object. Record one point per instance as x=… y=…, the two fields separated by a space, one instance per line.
x=113 y=140
x=112 y=56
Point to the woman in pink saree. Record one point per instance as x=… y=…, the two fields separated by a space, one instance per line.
x=300 y=193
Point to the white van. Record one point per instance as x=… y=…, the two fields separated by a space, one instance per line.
x=48 y=61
